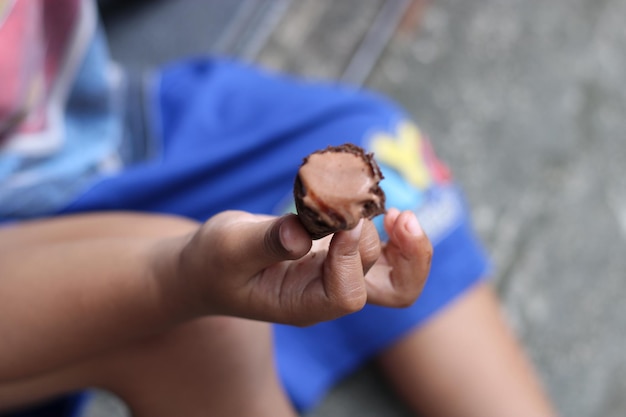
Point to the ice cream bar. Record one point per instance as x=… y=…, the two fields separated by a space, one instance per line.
x=336 y=187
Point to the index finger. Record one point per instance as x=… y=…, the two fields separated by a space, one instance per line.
x=344 y=282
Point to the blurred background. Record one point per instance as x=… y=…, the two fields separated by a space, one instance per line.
x=525 y=100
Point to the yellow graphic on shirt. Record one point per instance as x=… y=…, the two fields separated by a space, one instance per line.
x=403 y=152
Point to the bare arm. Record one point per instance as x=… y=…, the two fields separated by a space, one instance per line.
x=77 y=286
x=65 y=301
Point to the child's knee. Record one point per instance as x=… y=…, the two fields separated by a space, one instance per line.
x=199 y=352
x=209 y=341
x=229 y=334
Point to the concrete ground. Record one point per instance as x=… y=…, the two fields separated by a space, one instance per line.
x=525 y=100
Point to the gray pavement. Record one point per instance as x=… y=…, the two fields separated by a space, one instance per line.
x=525 y=100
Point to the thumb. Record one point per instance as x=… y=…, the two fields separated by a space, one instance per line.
x=265 y=243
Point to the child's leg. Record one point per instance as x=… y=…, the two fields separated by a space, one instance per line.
x=214 y=366
x=465 y=362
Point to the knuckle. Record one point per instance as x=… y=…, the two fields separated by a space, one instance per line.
x=406 y=300
x=406 y=294
x=370 y=254
x=347 y=252
x=409 y=300
x=352 y=302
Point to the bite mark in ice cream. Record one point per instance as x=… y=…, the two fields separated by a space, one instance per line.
x=336 y=187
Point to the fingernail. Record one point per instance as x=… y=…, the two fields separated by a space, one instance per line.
x=392 y=211
x=413 y=226
x=355 y=234
x=292 y=241
x=285 y=235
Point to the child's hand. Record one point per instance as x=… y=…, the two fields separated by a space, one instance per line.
x=269 y=269
x=399 y=275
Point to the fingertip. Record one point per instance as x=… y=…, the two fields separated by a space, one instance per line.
x=412 y=225
x=347 y=241
x=355 y=233
x=408 y=234
x=392 y=212
x=418 y=244
x=293 y=237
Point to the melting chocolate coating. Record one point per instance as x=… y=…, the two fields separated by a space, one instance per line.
x=336 y=187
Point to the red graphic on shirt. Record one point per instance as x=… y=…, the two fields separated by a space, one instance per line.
x=35 y=36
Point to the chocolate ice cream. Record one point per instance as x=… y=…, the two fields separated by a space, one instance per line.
x=336 y=187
